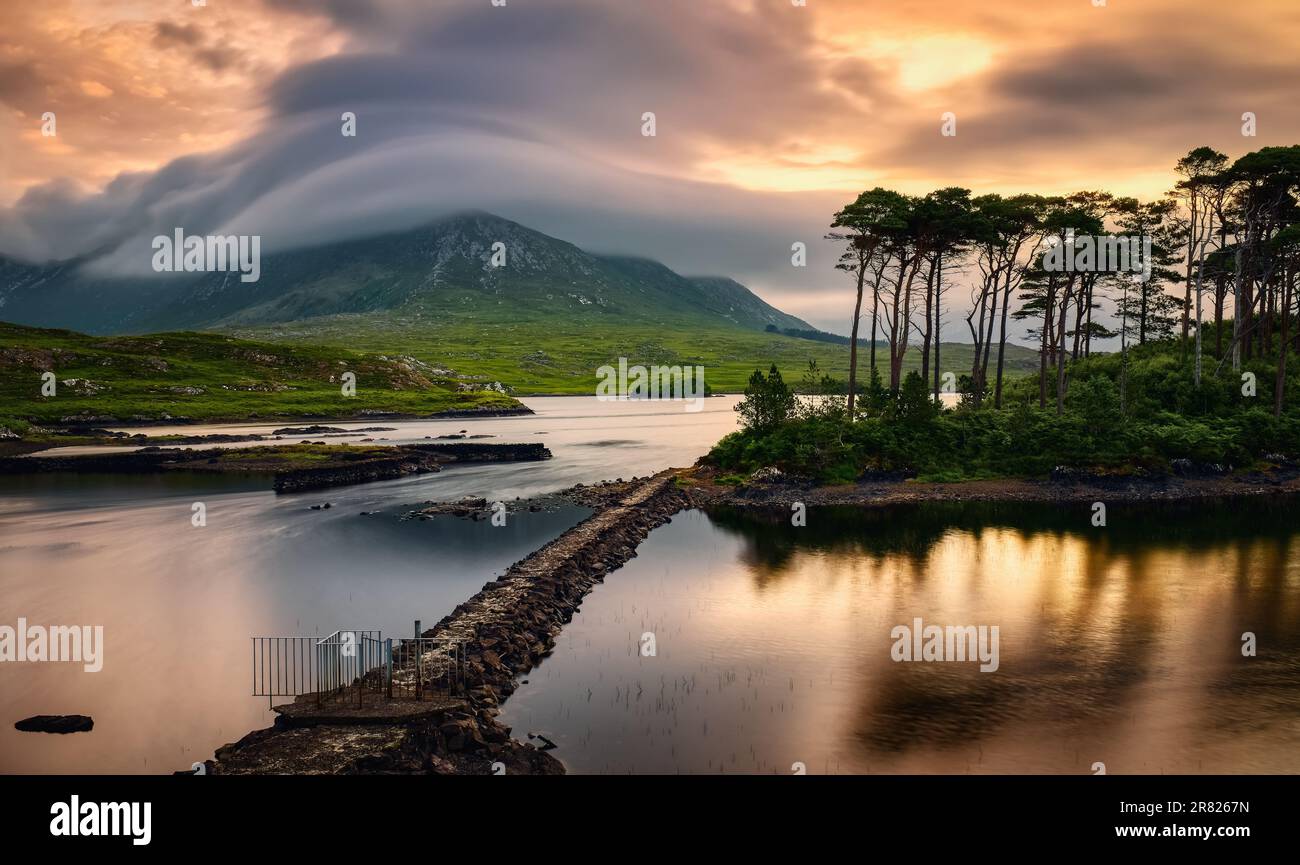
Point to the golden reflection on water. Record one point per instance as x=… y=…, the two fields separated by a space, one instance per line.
x=1119 y=646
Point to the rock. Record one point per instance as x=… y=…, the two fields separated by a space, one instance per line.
x=325 y=750
x=459 y=734
x=313 y=430
x=56 y=724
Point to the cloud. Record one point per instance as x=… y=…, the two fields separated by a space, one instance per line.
x=552 y=137
x=769 y=118
x=169 y=33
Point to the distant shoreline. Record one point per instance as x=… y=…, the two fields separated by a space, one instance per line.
x=291 y=468
x=871 y=494
x=446 y=414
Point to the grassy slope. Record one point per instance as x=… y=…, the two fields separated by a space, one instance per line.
x=538 y=353
x=141 y=378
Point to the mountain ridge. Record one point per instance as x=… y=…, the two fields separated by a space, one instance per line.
x=440 y=268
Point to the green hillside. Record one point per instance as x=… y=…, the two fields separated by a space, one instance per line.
x=208 y=376
x=556 y=355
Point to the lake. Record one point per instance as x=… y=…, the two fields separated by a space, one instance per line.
x=773 y=645
x=179 y=604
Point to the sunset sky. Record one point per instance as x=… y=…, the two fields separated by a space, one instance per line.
x=225 y=117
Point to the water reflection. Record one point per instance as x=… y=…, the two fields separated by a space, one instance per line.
x=1119 y=645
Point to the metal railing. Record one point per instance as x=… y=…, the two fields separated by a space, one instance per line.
x=327 y=667
x=426 y=667
x=344 y=657
x=293 y=666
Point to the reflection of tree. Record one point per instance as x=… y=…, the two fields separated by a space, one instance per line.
x=1072 y=676
x=1091 y=647
x=1248 y=694
x=1133 y=529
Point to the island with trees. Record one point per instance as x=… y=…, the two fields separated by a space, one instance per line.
x=1195 y=381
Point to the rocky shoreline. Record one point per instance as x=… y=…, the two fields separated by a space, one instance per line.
x=84 y=420
x=412 y=459
x=341 y=465
x=768 y=489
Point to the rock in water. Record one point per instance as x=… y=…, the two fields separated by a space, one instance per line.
x=56 y=724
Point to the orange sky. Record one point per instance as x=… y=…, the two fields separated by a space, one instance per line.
x=129 y=99
x=764 y=106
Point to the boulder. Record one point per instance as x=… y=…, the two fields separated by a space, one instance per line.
x=56 y=724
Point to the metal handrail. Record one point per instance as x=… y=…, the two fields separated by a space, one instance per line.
x=293 y=666
x=327 y=666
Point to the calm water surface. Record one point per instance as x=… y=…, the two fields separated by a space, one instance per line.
x=772 y=646
x=1117 y=645
x=178 y=604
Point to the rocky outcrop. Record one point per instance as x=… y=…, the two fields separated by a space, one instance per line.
x=406 y=460
x=344 y=465
x=485 y=411
x=478 y=508
x=476 y=452
x=56 y=724
x=407 y=739
x=399 y=465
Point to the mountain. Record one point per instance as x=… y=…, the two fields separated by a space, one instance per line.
x=543 y=323
x=439 y=271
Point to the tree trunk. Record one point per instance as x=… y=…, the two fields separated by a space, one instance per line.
x=853 y=341
x=1042 y=350
x=1060 y=356
x=977 y=336
x=988 y=341
x=1087 y=337
x=1002 y=340
x=1200 y=279
x=898 y=340
x=875 y=312
x=1279 y=387
x=1220 y=294
x=929 y=322
x=1192 y=237
x=938 y=320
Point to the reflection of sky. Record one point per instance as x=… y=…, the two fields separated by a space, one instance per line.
x=1122 y=650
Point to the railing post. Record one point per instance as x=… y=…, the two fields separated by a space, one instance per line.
x=388 y=667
